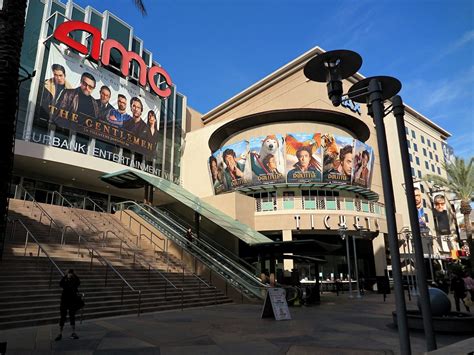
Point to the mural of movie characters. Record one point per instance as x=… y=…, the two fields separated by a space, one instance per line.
x=440 y=214
x=266 y=163
x=338 y=153
x=419 y=205
x=234 y=157
x=216 y=170
x=303 y=157
x=363 y=160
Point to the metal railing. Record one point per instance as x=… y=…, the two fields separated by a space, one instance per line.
x=235 y=275
x=29 y=236
x=182 y=265
x=324 y=203
x=93 y=252
x=24 y=195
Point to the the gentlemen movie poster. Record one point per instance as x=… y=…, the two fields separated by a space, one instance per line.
x=266 y=159
x=93 y=101
x=338 y=153
x=303 y=157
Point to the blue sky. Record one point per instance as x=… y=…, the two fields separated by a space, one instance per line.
x=214 y=49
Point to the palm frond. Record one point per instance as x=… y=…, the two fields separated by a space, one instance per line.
x=140 y=6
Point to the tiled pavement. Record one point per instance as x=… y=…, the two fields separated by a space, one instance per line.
x=338 y=326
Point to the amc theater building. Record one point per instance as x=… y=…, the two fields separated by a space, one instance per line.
x=278 y=156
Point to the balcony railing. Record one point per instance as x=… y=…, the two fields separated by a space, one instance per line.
x=312 y=203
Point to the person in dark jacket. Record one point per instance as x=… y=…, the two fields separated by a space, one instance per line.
x=459 y=290
x=69 y=283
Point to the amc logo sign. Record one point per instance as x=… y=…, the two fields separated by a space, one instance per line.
x=102 y=51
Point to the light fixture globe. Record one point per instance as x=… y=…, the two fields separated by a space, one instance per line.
x=389 y=86
x=331 y=67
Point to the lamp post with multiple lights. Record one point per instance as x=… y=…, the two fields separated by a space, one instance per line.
x=332 y=67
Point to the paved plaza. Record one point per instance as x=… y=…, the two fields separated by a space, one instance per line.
x=338 y=326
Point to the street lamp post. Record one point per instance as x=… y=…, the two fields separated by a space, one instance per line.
x=345 y=236
x=332 y=67
x=422 y=285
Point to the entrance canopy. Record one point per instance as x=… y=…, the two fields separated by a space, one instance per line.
x=129 y=179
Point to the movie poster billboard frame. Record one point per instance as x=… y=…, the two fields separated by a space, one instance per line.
x=266 y=159
x=303 y=158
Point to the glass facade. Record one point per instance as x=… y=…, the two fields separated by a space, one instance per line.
x=34 y=123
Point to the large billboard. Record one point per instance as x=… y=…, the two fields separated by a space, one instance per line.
x=88 y=99
x=291 y=158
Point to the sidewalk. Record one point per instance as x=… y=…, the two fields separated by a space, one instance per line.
x=338 y=326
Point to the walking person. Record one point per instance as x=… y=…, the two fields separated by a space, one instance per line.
x=69 y=302
x=459 y=290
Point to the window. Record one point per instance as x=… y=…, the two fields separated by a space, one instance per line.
x=427 y=165
x=424 y=203
x=413 y=134
x=432 y=168
x=415 y=147
x=426 y=218
x=411 y=157
x=424 y=152
x=407 y=131
x=431 y=155
x=434 y=145
x=412 y=171
x=419 y=174
x=417 y=161
x=429 y=143
x=439 y=171
x=436 y=157
x=409 y=144
x=422 y=139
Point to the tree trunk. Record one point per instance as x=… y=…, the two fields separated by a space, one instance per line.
x=12 y=23
x=467 y=225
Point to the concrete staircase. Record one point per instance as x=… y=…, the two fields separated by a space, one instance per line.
x=27 y=298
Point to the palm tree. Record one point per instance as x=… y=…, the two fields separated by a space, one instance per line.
x=12 y=24
x=460 y=181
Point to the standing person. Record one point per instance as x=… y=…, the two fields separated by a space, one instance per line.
x=136 y=125
x=469 y=284
x=459 y=291
x=69 y=283
x=189 y=235
x=119 y=116
x=103 y=103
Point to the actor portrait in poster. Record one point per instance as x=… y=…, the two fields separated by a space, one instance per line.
x=266 y=160
x=363 y=164
x=338 y=158
x=234 y=157
x=440 y=214
x=303 y=157
x=217 y=173
x=53 y=87
x=419 y=205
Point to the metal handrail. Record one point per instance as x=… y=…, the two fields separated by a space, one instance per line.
x=182 y=264
x=84 y=220
x=103 y=261
x=206 y=241
x=211 y=262
x=40 y=248
x=93 y=202
x=205 y=244
x=37 y=205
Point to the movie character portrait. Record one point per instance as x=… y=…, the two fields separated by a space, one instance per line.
x=234 y=171
x=152 y=123
x=440 y=214
x=338 y=158
x=103 y=103
x=136 y=125
x=119 y=116
x=216 y=175
x=76 y=105
x=419 y=207
x=362 y=172
x=305 y=167
x=53 y=87
x=270 y=164
x=266 y=159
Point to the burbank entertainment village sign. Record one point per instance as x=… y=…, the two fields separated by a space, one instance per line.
x=128 y=118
